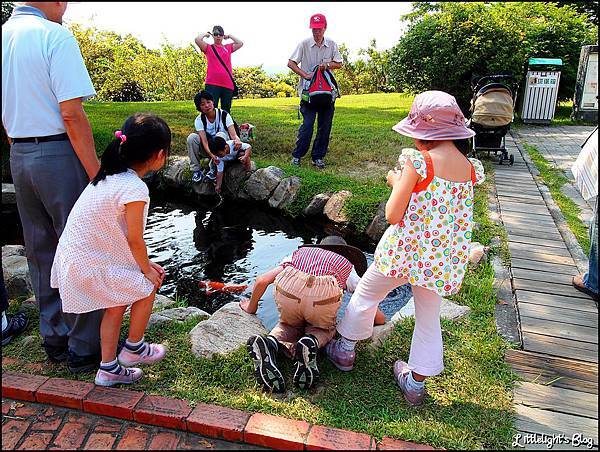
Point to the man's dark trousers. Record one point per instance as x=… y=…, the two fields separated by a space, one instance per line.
x=48 y=179
x=324 y=122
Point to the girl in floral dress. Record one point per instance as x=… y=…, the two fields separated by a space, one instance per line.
x=430 y=211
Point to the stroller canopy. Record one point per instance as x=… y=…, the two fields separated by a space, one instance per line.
x=492 y=107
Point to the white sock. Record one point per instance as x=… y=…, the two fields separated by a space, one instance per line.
x=414 y=384
x=346 y=344
x=4 y=321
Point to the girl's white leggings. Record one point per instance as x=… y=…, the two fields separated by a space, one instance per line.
x=426 y=349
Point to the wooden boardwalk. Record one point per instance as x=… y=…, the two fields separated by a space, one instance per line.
x=559 y=325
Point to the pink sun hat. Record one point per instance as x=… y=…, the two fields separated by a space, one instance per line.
x=434 y=115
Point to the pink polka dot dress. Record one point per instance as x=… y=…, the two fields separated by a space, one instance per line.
x=93 y=266
x=430 y=246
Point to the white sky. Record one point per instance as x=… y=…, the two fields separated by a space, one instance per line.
x=270 y=31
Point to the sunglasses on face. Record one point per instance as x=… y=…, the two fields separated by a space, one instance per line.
x=217 y=35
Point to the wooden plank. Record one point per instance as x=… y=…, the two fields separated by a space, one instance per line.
x=531 y=232
x=527 y=190
x=540 y=257
x=535 y=275
x=556 y=399
x=556 y=346
x=534 y=420
x=544 y=266
x=552 y=371
x=558 y=314
x=526 y=208
x=549 y=288
x=558 y=301
x=543 y=223
x=538 y=249
x=560 y=330
x=529 y=201
x=505 y=195
x=537 y=241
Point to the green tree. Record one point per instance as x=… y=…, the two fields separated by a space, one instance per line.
x=447 y=43
x=7 y=9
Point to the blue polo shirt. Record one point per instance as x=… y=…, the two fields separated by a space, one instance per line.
x=41 y=67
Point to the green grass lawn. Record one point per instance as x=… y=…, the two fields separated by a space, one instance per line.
x=469 y=404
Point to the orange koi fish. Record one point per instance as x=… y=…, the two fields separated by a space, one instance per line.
x=216 y=286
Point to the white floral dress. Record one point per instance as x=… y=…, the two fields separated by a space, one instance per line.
x=93 y=266
x=430 y=246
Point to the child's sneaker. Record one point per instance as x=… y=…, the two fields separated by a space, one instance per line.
x=152 y=353
x=197 y=177
x=412 y=396
x=211 y=176
x=263 y=352
x=307 y=372
x=127 y=375
x=343 y=360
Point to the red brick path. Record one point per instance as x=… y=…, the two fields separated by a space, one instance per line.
x=28 y=425
x=210 y=420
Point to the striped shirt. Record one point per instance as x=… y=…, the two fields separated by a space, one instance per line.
x=320 y=262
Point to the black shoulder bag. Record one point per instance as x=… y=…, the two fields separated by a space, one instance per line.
x=235 y=87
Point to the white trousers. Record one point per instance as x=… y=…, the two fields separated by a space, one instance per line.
x=426 y=349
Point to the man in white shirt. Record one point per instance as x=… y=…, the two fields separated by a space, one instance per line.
x=52 y=159
x=323 y=53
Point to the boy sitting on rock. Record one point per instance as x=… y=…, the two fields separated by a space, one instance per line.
x=309 y=286
x=225 y=151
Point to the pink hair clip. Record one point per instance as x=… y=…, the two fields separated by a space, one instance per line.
x=121 y=135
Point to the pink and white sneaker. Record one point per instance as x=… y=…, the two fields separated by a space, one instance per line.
x=401 y=372
x=127 y=376
x=152 y=354
x=343 y=360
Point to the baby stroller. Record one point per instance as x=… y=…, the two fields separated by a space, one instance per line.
x=492 y=112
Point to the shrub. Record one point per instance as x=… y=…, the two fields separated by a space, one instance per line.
x=447 y=43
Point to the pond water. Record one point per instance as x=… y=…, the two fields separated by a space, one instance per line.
x=233 y=243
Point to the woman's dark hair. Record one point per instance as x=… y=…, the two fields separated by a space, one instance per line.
x=218 y=30
x=145 y=135
x=462 y=146
x=217 y=144
x=202 y=95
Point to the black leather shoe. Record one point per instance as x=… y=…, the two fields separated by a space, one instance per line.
x=80 y=364
x=56 y=354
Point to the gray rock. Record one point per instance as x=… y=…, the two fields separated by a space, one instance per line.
x=30 y=304
x=8 y=194
x=227 y=330
x=161 y=302
x=285 y=193
x=29 y=341
x=379 y=224
x=477 y=254
x=234 y=178
x=16 y=276
x=316 y=205
x=177 y=173
x=12 y=250
x=381 y=333
x=263 y=181
x=449 y=310
x=177 y=315
x=335 y=206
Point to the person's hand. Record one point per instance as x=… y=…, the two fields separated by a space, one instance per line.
x=161 y=271
x=243 y=159
x=245 y=306
x=217 y=189
x=153 y=276
x=393 y=177
x=225 y=36
x=214 y=158
x=237 y=144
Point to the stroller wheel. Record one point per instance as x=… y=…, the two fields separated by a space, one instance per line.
x=511 y=159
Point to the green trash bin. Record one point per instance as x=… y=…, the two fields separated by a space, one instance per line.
x=541 y=90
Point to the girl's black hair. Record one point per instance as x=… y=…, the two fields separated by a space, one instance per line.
x=145 y=134
x=217 y=144
x=202 y=95
x=462 y=146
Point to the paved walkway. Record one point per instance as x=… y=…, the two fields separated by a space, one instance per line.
x=34 y=426
x=560 y=146
x=559 y=325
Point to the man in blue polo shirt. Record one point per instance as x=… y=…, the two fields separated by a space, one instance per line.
x=52 y=159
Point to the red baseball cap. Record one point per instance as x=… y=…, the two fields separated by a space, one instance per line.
x=318 y=21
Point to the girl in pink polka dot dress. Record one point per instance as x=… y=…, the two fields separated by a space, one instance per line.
x=427 y=245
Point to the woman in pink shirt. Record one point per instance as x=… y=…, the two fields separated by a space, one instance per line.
x=219 y=77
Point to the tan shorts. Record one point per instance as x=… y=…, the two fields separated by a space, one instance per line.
x=307 y=305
